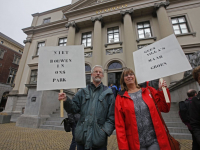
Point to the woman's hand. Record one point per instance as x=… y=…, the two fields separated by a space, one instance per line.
x=164 y=84
x=62 y=96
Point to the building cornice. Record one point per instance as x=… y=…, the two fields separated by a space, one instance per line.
x=51 y=11
x=45 y=27
x=106 y=4
x=10 y=40
x=110 y=4
x=183 y=5
x=11 y=49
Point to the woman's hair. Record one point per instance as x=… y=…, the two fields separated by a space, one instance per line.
x=196 y=73
x=122 y=83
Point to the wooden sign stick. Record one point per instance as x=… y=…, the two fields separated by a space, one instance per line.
x=61 y=107
x=164 y=91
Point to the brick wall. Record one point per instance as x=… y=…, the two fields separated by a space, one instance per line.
x=7 y=63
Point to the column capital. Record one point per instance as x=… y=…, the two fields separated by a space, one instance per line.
x=70 y=24
x=130 y=11
x=27 y=41
x=99 y=18
x=164 y=4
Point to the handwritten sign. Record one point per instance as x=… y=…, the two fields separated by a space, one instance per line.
x=61 y=68
x=160 y=59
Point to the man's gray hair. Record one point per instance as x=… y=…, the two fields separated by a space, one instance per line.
x=97 y=66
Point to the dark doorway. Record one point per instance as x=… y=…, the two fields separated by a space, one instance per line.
x=3 y=101
x=114 y=78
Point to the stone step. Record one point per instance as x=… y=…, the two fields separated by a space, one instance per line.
x=51 y=127
x=48 y=127
x=178 y=130
x=55 y=119
x=175 y=124
x=170 y=119
x=58 y=115
x=181 y=136
x=175 y=115
x=54 y=123
x=58 y=112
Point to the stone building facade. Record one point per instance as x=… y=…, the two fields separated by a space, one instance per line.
x=111 y=31
x=10 y=55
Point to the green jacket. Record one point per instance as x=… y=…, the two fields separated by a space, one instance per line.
x=96 y=107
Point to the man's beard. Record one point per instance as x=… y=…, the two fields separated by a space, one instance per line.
x=96 y=79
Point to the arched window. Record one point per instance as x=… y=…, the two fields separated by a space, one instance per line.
x=115 y=65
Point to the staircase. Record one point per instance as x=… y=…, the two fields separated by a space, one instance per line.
x=53 y=123
x=175 y=126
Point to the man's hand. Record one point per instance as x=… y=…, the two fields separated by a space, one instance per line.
x=62 y=96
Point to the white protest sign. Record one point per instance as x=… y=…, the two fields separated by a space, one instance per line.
x=160 y=59
x=61 y=67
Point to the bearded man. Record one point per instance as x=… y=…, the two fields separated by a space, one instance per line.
x=95 y=103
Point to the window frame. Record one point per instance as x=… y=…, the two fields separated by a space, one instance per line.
x=47 y=19
x=11 y=80
x=87 y=73
x=144 y=29
x=113 y=34
x=186 y=23
x=33 y=76
x=87 y=33
x=15 y=59
x=37 y=48
x=63 y=42
x=2 y=54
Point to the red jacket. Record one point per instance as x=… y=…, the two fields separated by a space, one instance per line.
x=126 y=124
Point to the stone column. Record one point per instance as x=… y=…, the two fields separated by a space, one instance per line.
x=71 y=33
x=97 y=41
x=163 y=20
x=166 y=30
x=71 y=38
x=105 y=78
x=21 y=66
x=129 y=38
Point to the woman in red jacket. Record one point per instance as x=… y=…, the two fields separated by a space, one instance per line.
x=138 y=124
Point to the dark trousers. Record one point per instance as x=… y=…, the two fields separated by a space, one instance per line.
x=195 y=145
x=73 y=143
x=81 y=147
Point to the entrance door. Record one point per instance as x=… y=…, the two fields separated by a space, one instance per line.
x=3 y=101
x=114 y=78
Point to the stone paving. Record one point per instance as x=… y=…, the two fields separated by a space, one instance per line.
x=18 y=138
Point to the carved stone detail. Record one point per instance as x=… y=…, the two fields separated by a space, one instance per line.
x=130 y=11
x=27 y=41
x=99 y=18
x=194 y=61
x=71 y=24
x=113 y=51
x=164 y=4
x=87 y=55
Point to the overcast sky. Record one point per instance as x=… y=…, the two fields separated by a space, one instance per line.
x=17 y=14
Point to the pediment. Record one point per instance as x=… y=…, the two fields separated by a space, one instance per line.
x=81 y=4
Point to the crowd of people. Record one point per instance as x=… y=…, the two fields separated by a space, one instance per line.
x=131 y=111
